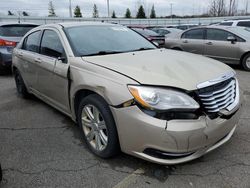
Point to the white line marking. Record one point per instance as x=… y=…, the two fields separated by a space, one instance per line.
x=127 y=181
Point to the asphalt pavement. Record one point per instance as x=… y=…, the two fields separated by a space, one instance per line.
x=40 y=147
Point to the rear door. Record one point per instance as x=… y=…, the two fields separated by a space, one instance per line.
x=218 y=47
x=193 y=41
x=53 y=70
x=27 y=56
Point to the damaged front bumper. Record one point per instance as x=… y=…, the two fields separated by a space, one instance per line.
x=171 y=142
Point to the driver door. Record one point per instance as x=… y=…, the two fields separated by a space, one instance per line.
x=53 y=69
x=218 y=47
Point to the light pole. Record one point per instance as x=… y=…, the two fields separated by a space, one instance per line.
x=108 y=7
x=70 y=9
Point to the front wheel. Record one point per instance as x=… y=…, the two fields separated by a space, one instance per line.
x=246 y=62
x=98 y=126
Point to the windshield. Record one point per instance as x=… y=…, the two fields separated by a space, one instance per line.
x=242 y=31
x=102 y=40
x=15 y=30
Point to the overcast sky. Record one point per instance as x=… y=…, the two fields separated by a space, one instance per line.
x=162 y=7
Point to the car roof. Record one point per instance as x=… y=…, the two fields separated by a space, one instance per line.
x=16 y=23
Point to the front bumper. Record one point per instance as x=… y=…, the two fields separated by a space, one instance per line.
x=178 y=140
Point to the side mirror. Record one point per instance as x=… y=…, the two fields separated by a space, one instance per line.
x=62 y=59
x=232 y=39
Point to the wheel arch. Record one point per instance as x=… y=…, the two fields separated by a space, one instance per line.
x=243 y=56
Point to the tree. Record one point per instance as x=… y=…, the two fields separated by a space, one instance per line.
x=10 y=13
x=152 y=14
x=24 y=13
x=128 y=13
x=217 y=8
x=141 y=12
x=77 y=11
x=246 y=8
x=233 y=6
x=95 y=12
x=51 y=9
x=113 y=14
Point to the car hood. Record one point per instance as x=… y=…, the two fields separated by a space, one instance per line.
x=162 y=67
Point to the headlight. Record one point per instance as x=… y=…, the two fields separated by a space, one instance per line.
x=162 y=99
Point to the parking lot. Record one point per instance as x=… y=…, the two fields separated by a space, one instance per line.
x=41 y=147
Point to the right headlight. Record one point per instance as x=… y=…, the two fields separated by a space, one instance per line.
x=162 y=99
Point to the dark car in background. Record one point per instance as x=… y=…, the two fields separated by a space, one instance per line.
x=151 y=35
x=10 y=35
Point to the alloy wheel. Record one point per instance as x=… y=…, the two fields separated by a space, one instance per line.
x=94 y=128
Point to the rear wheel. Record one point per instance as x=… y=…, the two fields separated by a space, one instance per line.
x=246 y=62
x=21 y=88
x=98 y=126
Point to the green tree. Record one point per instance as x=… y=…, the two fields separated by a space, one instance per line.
x=128 y=13
x=24 y=13
x=51 y=10
x=113 y=14
x=10 y=13
x=141 y=12
x=152 y=14
x=77 y=11
x=95 y=12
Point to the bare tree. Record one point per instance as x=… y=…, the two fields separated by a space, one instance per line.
x=246 y=8
x=217 y=8
x=233 y=7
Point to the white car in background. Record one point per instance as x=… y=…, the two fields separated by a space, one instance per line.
x=240 y=23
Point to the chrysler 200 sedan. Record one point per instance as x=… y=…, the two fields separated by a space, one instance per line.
x=227 y=44
x=126 y=94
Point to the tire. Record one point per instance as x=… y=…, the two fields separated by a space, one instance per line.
x=21 y=88
x=98 y=126
x=246 y=62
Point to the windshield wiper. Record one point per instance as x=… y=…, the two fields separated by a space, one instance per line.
x=103 y=53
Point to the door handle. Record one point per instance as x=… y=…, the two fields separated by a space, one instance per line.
x=38 y=60
x=185 y=41
x=209 y=43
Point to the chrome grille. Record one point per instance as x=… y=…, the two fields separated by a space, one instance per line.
x=220 y=96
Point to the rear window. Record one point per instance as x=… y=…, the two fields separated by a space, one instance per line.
x=15 y=30
x=244 y=24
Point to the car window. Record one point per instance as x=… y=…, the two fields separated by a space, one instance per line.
x=87 y=40
x=15 y=30
x=218 y=34
x=51 y=44
x=244 y=24
x=31 y=42
x=193 y=34
x=226 y=23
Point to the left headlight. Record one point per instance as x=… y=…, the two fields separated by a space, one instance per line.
x=162 y=99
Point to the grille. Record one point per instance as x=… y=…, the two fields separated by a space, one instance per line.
x=217 y=97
